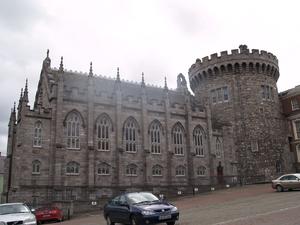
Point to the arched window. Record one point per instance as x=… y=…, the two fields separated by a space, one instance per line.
x=37 y=138
x=180 y=171
x=36 y=167
x=157 y=170
x=218 y=148
x=130 y=135
x=72 y=168
x=131 y=170
x=278 y=166
x=103 y=127
x=155 y=137
x=73 y=127
x=198 y=138
x=178 y=139
x=103 y=169
x=201 y=170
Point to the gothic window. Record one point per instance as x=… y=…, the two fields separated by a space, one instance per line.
x=278 y=166
x=131 y=170
x=178 y=140
x=103 y=127
x=218 y=148
x=130 y=135
x=295 y=104
x=103 y=169
x=219 y=95
x=157 y=170
x=72 y=168
x=37 y=138
x=198 y=137
x=180 y=171
x=73 y=123
x=297 y=127
x=267 y=92
x=36 y=167
x=155 y=137
x=201 y=170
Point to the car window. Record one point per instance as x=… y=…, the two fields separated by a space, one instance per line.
x=284 y=178
x=135 y=198
x=13 y=208
x=115 y=201
x=292 y=178
x=122 y=200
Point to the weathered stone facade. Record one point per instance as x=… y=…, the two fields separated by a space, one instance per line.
x=251 y=106
x=291 y=108
x=89 y=137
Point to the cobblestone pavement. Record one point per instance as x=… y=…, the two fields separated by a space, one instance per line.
x=247 y=205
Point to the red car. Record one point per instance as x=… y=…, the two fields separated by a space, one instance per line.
x=48 y=213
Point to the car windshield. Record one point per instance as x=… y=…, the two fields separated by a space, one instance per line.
x=143 y=197
x=15 y=208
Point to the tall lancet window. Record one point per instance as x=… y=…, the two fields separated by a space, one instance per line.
x=198 y=138
x=218 y=148
x=155 y=137
x=37 y=138
x=178 y=139
x=73 y=128
x=103 y=133
x=131 y=135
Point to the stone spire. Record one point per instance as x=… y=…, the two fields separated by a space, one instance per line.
x=91 y=69
x=47 y=61
x=166 y=86
x=25 y=95
x=118 y=75
x=21 y=96
x=61 y=65
x=143 y=81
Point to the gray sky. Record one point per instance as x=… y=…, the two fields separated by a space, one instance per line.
x=157 y=37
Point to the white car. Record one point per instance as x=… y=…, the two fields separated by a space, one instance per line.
x=16 y=213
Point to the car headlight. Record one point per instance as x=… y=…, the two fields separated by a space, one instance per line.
x=30 y=221
x=148 y=212
x=174 y=209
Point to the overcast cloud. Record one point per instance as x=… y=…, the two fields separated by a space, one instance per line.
x=157 y=37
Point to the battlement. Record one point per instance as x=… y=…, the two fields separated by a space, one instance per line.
x=240 y=61
x=236 y=54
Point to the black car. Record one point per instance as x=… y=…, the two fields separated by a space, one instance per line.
x=139 y=208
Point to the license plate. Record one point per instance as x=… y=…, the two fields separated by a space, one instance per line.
x=46 y=215
x=164 y=217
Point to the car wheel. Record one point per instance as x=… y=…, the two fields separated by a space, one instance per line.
x=171 y=223
x=133 y=221
x=279 y=188
x=108 y=221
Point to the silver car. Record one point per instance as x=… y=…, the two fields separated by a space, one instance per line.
x=16 y=213
x=286 y=182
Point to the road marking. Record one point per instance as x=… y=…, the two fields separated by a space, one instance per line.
x=256 y=215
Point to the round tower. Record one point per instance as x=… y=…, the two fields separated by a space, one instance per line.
x=241 y=91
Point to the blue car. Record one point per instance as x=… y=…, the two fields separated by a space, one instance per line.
x=139 y=208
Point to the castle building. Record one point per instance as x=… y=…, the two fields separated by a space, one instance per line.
x=90 y=136
x=291 y=109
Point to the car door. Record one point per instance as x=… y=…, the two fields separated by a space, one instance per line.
x=112 y=209
x=124 y=210
x=293 y=182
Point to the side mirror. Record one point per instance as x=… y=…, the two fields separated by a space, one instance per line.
x=32 y=210
x=125 y=204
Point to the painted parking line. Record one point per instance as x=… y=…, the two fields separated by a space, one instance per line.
x=256 y=215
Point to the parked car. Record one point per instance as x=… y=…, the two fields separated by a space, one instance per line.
x=16 y=213
x=138 y=208
x=287 y=181
x=48 y=213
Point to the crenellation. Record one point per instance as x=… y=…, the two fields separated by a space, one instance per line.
x=205 y=59
x=214 y=56
x=234 y=51
x=224 y=53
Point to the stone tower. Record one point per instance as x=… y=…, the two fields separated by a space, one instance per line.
x=241 y=90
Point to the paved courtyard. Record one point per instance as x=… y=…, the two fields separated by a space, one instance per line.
x=247 y=205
